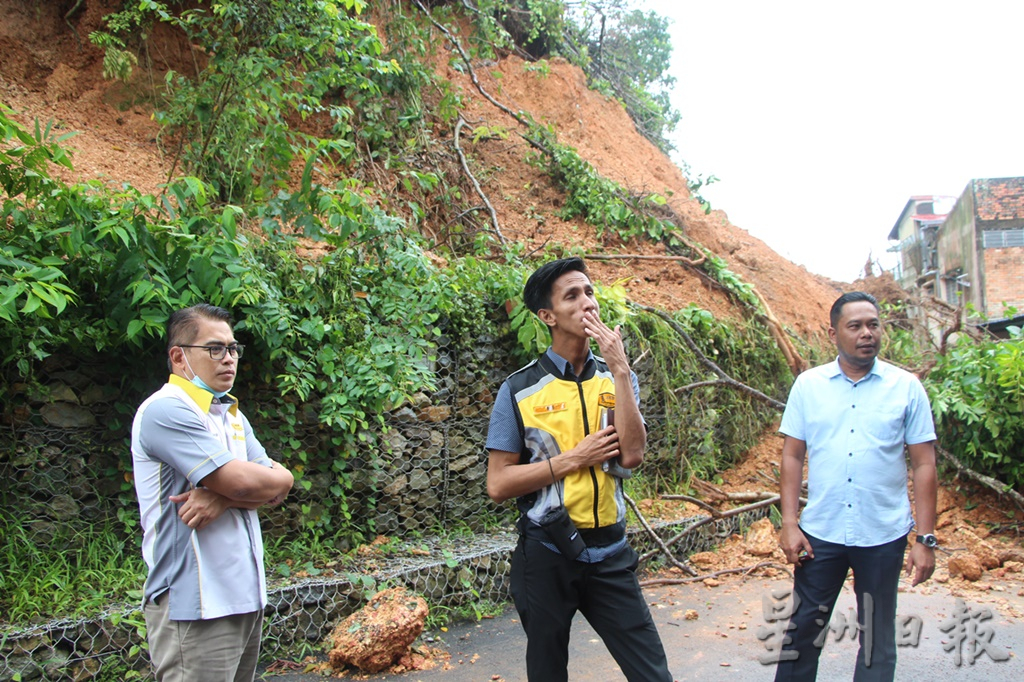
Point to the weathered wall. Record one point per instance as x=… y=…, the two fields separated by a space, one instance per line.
x=1004 y=280
x=957 y=250
x=1000 y=206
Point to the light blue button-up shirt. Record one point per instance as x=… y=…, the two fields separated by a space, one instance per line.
x=855 y=432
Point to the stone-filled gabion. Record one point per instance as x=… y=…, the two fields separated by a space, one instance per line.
x=65 y=471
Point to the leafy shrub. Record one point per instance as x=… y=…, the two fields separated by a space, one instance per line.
x=977 y=396
x=265 y=64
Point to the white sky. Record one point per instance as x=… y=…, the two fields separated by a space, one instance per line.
x=822 y=118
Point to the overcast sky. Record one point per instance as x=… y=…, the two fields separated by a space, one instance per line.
x=821 y=119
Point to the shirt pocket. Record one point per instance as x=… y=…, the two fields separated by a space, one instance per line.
x=885 y=423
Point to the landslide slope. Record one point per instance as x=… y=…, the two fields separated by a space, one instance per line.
x=50 y=72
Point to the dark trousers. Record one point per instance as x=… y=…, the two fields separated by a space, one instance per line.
x=548 y=589
x=816 y=584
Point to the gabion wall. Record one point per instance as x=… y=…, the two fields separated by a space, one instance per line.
x=64 y=473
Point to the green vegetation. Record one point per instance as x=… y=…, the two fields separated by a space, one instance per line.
x=977 y=395
x=706 y=429
x=38 y=583
x=295 y=127
x=628 y=51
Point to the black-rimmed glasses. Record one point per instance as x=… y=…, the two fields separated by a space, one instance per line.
x=217 y=352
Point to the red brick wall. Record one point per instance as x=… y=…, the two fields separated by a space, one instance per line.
x=999 y=199
x=1004 y=280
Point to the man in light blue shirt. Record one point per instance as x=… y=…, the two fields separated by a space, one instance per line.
x=851 y=419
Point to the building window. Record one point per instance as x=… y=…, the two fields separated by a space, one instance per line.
x=952 y=289
x=1001 y=239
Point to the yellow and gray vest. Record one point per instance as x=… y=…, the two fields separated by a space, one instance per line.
x=554 y=414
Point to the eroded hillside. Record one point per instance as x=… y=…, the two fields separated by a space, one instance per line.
x=49 y=71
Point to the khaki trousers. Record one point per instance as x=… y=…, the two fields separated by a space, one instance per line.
x=218 y=650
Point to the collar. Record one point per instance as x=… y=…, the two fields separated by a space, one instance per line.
x=834 y=370
x=564 y=366
x=201 y=397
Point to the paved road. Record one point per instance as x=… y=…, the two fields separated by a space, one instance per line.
x=722 y=644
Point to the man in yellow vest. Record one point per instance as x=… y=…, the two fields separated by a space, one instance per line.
x=561 y=438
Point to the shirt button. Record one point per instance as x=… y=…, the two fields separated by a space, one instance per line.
x=851 y=430
x=849 y=505
x=851 y=454
x=849 y=480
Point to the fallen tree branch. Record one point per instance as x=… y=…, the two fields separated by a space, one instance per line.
x=476 y=185
x=472 y=74
x=686 y=498
x=700 y=384
x=726 y=379
x=986 y=481
x=715 y=516
x=465 y=213
x=735 y=497
x=709 y=489
x=538 y=249
x=750 y=496
x=957 y=325
x=746 y=570
x=677 y=220
x=657 y=539
x=793 y=358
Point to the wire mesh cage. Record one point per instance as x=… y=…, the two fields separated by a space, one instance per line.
x=71 y=520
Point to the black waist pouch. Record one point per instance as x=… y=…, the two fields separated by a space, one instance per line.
x=562 y=533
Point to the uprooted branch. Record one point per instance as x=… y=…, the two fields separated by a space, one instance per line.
x=987 y=481
x=476 y=185
x=657 y=539
x=793 y=358
x=735 y=497
x=693 y=500
x=715 y=516
x=725 y=378
x=746 y=570
x=518 y=116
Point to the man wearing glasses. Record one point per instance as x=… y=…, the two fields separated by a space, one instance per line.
x=200 y=475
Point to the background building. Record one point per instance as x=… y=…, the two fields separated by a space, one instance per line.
x=969 y=255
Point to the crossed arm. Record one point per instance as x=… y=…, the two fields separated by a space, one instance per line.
x=240 y=484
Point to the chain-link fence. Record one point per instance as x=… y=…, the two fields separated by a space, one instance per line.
x=72 y=570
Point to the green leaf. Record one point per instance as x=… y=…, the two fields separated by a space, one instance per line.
x=134 y=327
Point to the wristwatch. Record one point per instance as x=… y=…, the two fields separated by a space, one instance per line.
x=928 y=540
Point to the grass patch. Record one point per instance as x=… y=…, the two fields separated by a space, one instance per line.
x=63 y=571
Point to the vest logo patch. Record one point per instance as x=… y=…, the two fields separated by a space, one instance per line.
x=606 y=400
x=556 y=407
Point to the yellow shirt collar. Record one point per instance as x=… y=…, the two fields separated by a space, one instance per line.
x=201 y=397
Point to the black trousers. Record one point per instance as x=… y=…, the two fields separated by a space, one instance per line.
x=816 y=584
x=548 y=589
